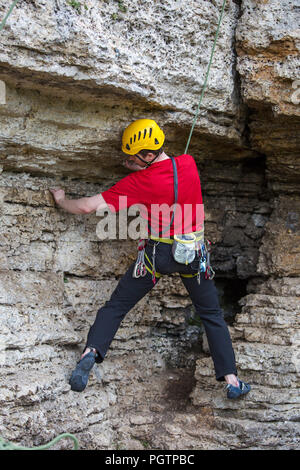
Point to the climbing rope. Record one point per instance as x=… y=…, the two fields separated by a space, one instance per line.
x=9 y=12
x=9 y=446
x=206 y=77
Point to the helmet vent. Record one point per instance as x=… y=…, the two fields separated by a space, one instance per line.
x=145 y=132
x=127 y=146
x=150 y=132
x=156 y=142
x=134 y=138
x=130 y=140
x=139 y=135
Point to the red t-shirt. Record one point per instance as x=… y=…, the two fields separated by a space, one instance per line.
x=152 y=189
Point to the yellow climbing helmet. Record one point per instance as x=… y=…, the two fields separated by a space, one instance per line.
x=141 y=135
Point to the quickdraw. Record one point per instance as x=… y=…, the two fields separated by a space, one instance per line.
x=209 y=272
x=140 y=266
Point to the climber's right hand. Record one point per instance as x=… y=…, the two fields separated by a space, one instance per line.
x=58 y=194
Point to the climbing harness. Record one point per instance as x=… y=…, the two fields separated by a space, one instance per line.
x=184 y=247
x=203 y=252
x=5 y=445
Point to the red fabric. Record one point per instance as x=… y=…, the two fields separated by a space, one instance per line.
x=155 y=186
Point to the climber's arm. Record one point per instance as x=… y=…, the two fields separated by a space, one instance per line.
x=84 y=205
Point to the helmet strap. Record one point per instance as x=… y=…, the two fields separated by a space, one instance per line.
x=144 y=161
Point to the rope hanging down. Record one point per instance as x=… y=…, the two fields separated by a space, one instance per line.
x=206 y=77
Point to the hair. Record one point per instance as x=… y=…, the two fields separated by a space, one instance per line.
x=155 y=152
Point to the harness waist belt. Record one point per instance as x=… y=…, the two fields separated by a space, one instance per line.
x=170 y=240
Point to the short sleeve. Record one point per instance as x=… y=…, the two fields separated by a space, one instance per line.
x=123 y=194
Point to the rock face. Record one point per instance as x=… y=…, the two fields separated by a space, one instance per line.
x=268 y=64
x=73 y=77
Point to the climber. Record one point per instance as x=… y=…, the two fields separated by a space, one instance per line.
x=153 y=182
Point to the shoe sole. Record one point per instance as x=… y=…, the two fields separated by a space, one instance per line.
x=80 y=375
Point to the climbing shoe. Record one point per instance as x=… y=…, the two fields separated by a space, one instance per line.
x=235 y=392
x=80 y=375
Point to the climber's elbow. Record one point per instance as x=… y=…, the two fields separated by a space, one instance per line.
x=92 y=204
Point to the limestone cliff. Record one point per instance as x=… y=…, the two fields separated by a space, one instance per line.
x=75 y=74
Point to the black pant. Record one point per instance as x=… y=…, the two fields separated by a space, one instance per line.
x=204 y=297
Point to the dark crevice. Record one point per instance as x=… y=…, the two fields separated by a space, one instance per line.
x=177 y=391
x=28 y=204
x=108 y=277
x=230 y=292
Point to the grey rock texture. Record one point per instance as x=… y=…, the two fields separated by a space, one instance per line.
x=73 y=78
x=267 y=44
